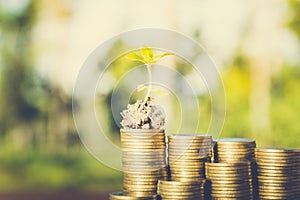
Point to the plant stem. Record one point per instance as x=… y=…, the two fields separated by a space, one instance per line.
x=150 y=82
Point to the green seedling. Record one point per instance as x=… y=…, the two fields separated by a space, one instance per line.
x=147 y=57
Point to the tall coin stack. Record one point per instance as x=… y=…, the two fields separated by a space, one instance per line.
x=187 y=154
x=170 y=190
x=229 y=180
x=144 y=161
x=278 y=173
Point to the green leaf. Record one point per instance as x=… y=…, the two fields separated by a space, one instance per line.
x=162 y=55
x=141 y=88
x=160 y=92
x=147 y=53
x=134 y=56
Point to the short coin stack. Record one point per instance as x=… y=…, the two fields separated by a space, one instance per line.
x=187 y=154
x=171 y=190
x=278 y=173
x=143 y=161
x=122 y=196
x=229 y=180
x=234 y=150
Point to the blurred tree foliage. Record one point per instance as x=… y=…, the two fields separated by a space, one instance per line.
x=16 y=69
x=37 y=115
x=294 y=16
x=237 y=86
x=30 y=106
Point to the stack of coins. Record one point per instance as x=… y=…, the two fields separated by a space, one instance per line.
x=234 y=150
x=144 y=161
x=170 y=190
x=278 y=172
x=229 y=180
x=187 y=154
x=122 y=196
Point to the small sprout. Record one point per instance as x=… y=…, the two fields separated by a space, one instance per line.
x=147 y=57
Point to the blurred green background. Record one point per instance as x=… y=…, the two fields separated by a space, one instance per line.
x=256 y=45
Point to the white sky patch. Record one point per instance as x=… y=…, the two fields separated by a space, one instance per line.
x=62 y=45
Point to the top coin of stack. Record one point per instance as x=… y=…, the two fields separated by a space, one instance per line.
x=143 y=159
x=234 y=150
x=122 y=196
x=278 y=173
x=187 y=154
x=170 y=190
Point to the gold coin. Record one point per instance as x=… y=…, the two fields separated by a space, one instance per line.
x=187 y=173
x=176 y=183
x=159 y=136
x=273 y=193
x=231 y=191
x=189 y=135
x=144 y=160
x=272 y=160
x=234 y=165
x=191 y=194
x=123 y=196
x=276 y=155
x=132 y=145
x=277 y=167
x=263 y=163
x=231 y=183
x=142 y=152
x=140 y=193
x=137 y=153
x=136 y=187
x=140 y=182
x=238 y=196
x=177 y=187
x=186 y=165
x=142 y=139
x=235 y=147
x=140 y=178
x=158 y=157
x=137 y=173
x=232 y=160
x=139 y=132
x=137 y=147
x=147 y=192
x=223 y=175
x=177 y=170
x=276 y=150
x=153 y=157
x=235 y=140
x=146 y=164
x=236 y=152
x=151 y=139
x=274 y=178
x=277 y=173
x=190 y=141
x=186 y=179
x=146 y=142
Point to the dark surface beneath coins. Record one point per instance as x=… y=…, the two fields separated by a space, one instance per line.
x=54 y=196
